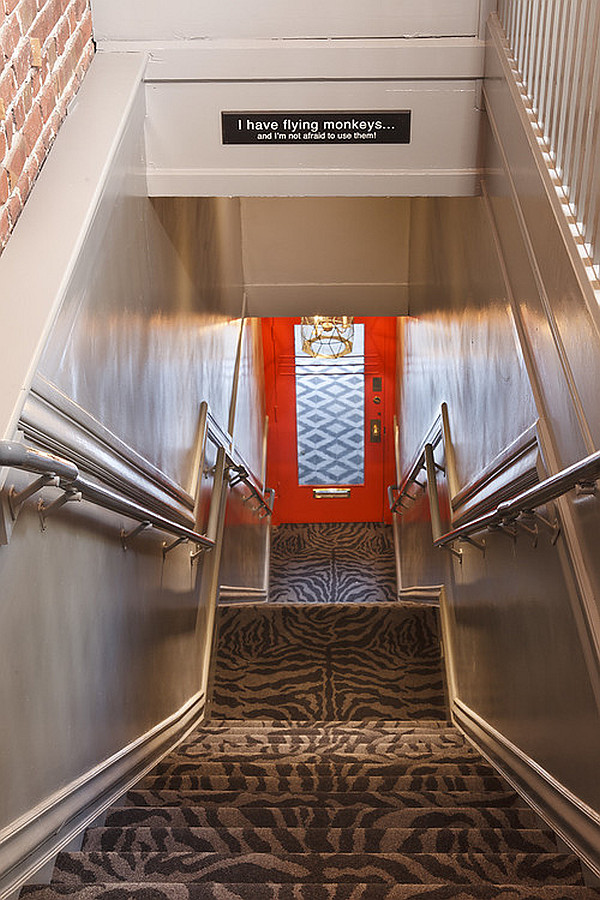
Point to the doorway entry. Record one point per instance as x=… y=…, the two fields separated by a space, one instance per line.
x=330 y=444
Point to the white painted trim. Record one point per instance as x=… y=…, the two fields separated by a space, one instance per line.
x=311 y=182
x=500 y=60
x=303 y=60
x=31 y=841
x=196 y=20
x=576 y=822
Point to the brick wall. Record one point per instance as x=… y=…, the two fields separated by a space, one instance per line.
x=45 y=49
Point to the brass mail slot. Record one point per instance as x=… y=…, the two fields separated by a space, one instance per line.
x=331 y=493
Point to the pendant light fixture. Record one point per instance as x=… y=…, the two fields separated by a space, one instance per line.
x=327 y=337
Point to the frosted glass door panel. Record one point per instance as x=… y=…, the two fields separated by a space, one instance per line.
x=330 y=413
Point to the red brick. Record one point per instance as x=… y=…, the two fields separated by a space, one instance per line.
x=47 y=98
x=33 y=127
x=21 y=62
x=15 y=161
x=8 y=86
x=26 y=11
x=62 y=36
x=9 y=6
x=18 y=112
x=24 y=186
x=46 y=21
x=47 y=137
x=14 y=207
x=27 y=97
x=10 y=34
x=51 y=53
x=4 y=189
x=8 y=127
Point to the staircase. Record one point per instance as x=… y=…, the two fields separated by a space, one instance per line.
x=278 y=807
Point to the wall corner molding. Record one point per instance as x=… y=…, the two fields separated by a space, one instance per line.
x=31 y=841
x=573 y=820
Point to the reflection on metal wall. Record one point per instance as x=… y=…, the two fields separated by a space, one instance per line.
x=521 y=677
x=556 y=50
x=246 y=540
x=141 y=339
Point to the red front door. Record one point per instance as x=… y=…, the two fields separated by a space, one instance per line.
x=330 y=450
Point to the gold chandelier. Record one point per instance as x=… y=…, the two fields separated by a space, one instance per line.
x=327 y=337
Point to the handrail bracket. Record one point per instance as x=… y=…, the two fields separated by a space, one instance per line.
x=17 y=498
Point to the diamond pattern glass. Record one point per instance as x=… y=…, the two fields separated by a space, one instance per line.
x=330 y=413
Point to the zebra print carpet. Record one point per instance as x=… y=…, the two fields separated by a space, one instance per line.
x=333 y=563
x=316 y=662
x=473 y=840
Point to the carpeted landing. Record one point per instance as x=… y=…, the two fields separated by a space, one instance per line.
x=370 y=795
x=332 y=563
x=328 y=661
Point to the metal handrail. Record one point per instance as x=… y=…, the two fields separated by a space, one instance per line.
x=582 y=473
x=403 y=489
x=63 y=474
x=239 y=474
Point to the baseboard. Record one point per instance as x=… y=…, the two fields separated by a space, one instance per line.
x=421 y=596
x=575 y=822
x=30 y=842
x=230 y=594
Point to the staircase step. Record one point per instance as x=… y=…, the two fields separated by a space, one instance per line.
x=310 y=725
x=330 y=751
x=320 y=817
x=324 y=783
x=316 y=840
x=178 y=765
x=372 y=800
x=297 y=868
x=332 y=891
x=439 y=738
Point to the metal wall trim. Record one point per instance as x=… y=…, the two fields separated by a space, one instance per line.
x=420 y=596
x=576 y=823
x=232 y=595
x=512 y=471
x=54 y=422
x=30 y=842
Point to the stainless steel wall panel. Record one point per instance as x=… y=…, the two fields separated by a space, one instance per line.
x=100 y=645
x=97 y=646
x=517 y=657
x=459 y=341
x=246 y=545
x=249 y=423
x=140 y=341
x=504 y=344
x=246 y=539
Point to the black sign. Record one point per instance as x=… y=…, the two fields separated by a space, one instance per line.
x=293 y=128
